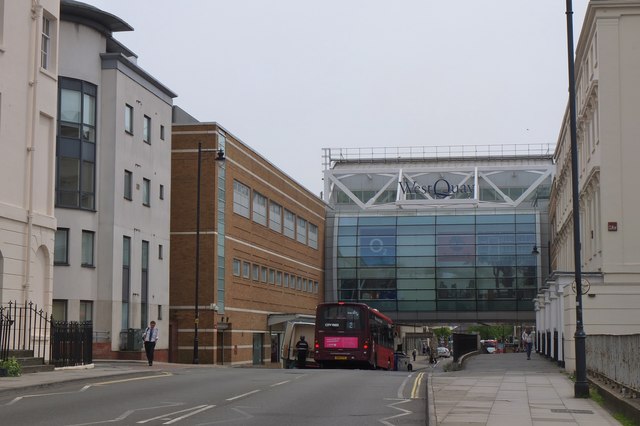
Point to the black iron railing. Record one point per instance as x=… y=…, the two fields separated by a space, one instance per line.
x=24 y=327
x=71 y=343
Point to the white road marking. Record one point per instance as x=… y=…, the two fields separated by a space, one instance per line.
x=280 y=383
x=127 y=414
x=402 y=414
x=177 y=419
x=243 y=395
x=18 y=398
x=164 y=416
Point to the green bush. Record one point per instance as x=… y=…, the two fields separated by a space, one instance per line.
x=12 y=366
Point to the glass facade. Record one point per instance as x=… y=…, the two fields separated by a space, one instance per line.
x=462 y=263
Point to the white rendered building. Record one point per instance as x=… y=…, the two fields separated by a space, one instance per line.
x=112 y=195
x=28 y=100
x=608 y=101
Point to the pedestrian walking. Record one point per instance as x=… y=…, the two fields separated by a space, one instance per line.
x=527 y=341
x=302 y=347
x=150 y=338
x=414 y=354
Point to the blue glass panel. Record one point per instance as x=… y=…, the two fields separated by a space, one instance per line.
x=525 y=218
x=410 y=262
x=529 y=228
x=376 y=273
x=347 y=273
x=347 y=262
x=455 y=220
x=416 y=272
x=496 y=228
x=416 y=220
x=423 y=284
x=376 y=230
x=346 y=241
x=376 y=246
x=369 y=261
x=416 y=230
x=377 y=220
x=347 y=221
x=456 y=229
x=458 y=273
x=416 y=306
x=526 y=238
x=347 y=230
x=495 y=218
x=346 y=251
x=416 y=251
x=415 y=240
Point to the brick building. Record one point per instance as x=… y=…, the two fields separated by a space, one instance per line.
x=260 y=249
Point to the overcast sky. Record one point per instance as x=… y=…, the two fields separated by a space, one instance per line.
x=290 y=77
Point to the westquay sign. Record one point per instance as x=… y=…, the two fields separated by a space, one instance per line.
x=439 y=190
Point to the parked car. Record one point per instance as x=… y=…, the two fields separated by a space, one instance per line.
x=403 y=362
x=442 y=352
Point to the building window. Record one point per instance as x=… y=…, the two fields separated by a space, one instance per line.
x=313 y=236
x=275 y=216
x=126 y=281
x=241 y=199
x=61 y=248
x=144 y=283
x=146 y=129
x=286 y=280
x=259 y=208
x=256 y=272
x=146 y=192
x=76 y=150
x=246 y=270
x=161 y=192
x=161 y=132
x=87 y=248
x=289 y=224
x=128 y=185
x=272 y=276
x=159 y=312
x=45 y=48
x=160 y=252
x=279 y=278
x=59 y=310
x=263 y=274
x=128 y=119
x=86 y=311
x=236 y=267
x=302 y=230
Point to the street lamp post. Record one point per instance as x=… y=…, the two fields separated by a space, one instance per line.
x=581 y=387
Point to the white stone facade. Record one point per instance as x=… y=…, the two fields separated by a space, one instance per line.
x=608 y=100
x=28 y=108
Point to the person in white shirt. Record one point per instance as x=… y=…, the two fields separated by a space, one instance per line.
x=150 y=338
x=527 y=341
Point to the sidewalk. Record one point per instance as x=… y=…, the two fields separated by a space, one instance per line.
x=98 y=370
x=507 y=389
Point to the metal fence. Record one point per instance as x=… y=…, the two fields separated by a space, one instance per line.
x=615 y=358
x=71 y=343
x=24 y=327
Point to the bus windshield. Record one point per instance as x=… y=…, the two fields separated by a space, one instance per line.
x=341 y=318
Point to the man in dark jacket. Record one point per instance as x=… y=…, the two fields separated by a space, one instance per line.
x=302 y=348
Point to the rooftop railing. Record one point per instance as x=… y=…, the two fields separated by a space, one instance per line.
x=415 y=153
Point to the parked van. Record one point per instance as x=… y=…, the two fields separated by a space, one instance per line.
x=292 y=333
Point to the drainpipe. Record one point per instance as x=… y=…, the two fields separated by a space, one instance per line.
x=36 y=16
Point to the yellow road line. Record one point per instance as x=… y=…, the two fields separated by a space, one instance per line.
x=415 y=392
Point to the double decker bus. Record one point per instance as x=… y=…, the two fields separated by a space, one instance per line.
x=353 y=334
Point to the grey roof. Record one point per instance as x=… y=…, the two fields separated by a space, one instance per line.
x=75 y=11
